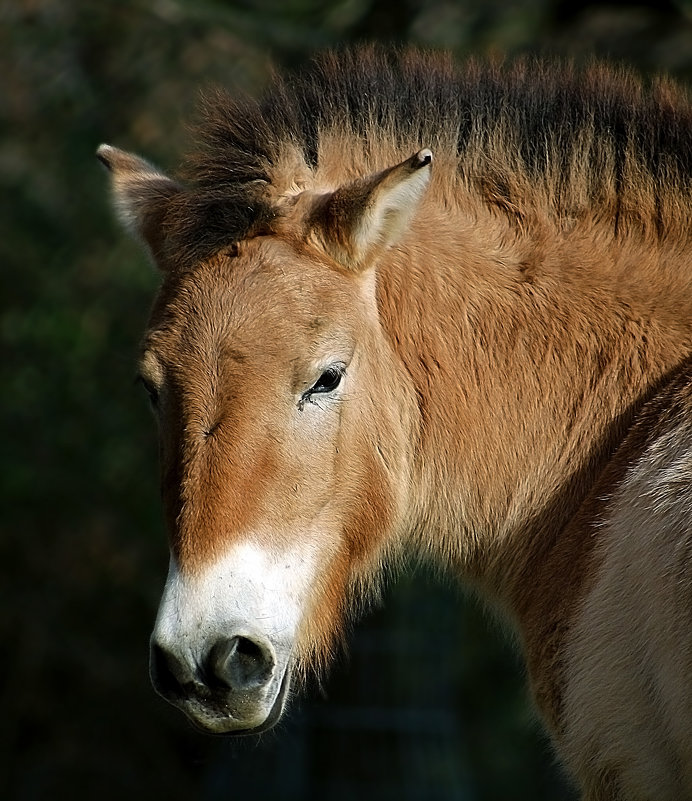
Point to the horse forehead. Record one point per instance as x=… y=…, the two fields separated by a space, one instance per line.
x=266 y=298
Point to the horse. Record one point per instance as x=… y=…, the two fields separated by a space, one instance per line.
x=416 y=308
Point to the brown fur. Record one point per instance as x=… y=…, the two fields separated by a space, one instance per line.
x=514 y=341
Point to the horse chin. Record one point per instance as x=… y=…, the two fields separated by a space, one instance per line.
x=216 y=719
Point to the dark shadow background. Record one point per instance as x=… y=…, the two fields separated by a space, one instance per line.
x=431 y=703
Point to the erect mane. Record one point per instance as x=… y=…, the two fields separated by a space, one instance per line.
x=569 y=140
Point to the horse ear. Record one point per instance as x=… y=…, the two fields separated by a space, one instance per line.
x=141 y=194
x=358 y=219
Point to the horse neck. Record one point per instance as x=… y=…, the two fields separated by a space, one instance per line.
x=530 y=351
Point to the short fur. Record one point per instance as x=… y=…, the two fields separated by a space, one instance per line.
x=521 y=374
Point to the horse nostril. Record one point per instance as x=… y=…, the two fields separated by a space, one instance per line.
x=168 y=674
x=241 y=663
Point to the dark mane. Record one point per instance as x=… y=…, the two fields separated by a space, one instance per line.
x=573 y=141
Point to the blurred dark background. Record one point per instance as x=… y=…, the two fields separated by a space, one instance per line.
x=431 y=702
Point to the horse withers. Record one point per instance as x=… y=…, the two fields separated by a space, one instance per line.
x=410 y=307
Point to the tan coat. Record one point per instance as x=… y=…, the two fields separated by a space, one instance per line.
x=481 y=353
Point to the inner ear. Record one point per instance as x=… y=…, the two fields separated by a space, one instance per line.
x=356 y=220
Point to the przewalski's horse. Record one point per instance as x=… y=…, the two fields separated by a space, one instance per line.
x=479 y=351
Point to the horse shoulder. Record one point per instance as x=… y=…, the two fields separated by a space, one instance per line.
x=627 y=661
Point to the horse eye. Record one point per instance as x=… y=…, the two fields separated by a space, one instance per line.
x=329 y=380
x=151 y=391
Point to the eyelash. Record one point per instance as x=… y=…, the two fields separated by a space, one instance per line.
x=325 y=384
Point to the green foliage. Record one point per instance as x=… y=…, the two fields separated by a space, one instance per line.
x=82 y=546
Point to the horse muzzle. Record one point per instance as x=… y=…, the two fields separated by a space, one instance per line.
x=224 y=640
x=239 y=687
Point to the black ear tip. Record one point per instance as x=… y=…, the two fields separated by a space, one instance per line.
x=422 y=158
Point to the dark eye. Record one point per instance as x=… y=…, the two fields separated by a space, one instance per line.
x=329 y=380
x=151 y=391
